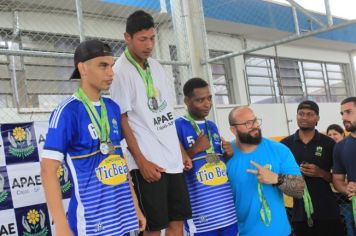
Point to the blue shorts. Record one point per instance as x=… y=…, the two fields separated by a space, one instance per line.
x=230 y=230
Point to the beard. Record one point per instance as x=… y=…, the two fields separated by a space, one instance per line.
x=351 y=127
x=306 y=128
x=246 y=138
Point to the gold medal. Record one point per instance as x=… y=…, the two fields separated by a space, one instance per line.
x=310 y=222
x=111 y=148
x=212 y=158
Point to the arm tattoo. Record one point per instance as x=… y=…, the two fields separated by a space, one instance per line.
x=293 y=186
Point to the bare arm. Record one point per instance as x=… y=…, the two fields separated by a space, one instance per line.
x=141 y=218
x=339 y=183
x=293 y=185
x=312 y=170
x=200 y=145
x=187 y=161
x=53 y=194
x=150 y=171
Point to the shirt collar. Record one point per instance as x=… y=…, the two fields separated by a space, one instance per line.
x=315 y=138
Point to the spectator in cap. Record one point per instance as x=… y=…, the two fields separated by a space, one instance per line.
x=317 y=213
x=84 y=135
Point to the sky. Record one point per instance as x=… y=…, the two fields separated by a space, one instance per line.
x=341 y=8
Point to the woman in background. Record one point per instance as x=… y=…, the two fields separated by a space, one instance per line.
x=335 y=132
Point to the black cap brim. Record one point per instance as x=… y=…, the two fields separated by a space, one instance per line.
x=75 y=74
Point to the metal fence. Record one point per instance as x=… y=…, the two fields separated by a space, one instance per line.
x=220 y=40
x=235 y=44
x=37 y=41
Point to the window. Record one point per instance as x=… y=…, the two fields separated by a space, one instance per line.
x=221 y=72
x=269 y=78
x=222 y=78
x=260 y=79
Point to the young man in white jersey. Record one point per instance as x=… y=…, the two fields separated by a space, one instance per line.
x=209 y=189
x=144 y=93
x=85 y=133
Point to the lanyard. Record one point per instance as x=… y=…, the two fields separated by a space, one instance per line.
x=197 y=131
x=308 y=206
x=354 y=209
x=145 y=74
x=104 y=128
x=265 y=211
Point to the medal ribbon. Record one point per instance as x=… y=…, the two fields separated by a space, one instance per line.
x=308 y=204
x=145 y=74
x=104 y=128
x=354 y=209
x=265 y=211
x=197 y=130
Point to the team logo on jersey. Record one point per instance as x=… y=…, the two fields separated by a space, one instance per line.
x=21 y=142
x=33 y=222
x=212 y=174
x=319 y=151
x=99 y=227
x=156 y=104
x=63 y=177
x=115 y=126
x=112 y=170
x=216 y=139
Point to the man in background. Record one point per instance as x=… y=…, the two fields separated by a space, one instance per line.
x=317 y=214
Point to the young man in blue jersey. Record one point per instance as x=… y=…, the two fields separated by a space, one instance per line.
x=209 y=189
x=85 y=133
x=260 y=171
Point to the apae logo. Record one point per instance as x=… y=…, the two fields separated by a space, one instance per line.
x=21 y=142
x=33 y=220
x=5 y=194
x=34 y=223
x=63 y=177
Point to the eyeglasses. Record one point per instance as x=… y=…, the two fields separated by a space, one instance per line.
x=250 y=123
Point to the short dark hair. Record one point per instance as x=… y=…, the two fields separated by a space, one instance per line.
x=192 y=84
x=137 y=21
x=335 y=127
x=349 y=99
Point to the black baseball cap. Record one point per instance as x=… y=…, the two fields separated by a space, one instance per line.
x=88 y=50
x=309 y=105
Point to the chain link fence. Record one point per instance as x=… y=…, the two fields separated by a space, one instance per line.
x=38 y=39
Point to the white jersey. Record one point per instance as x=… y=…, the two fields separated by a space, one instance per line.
x=154 y=130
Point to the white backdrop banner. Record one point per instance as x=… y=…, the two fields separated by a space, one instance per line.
x=23 y=209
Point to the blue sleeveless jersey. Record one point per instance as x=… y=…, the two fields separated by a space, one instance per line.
x=101 y=202
x=210 y=193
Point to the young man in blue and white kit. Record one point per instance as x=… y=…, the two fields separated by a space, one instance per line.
x=260 y=171
x=209 y=189
x=85 y=133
